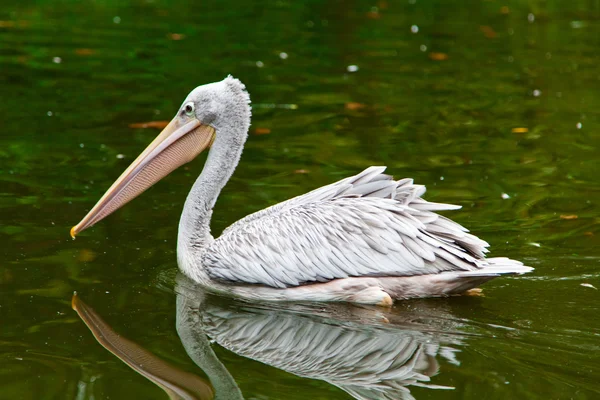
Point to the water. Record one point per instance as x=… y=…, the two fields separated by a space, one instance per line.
x=493 y=106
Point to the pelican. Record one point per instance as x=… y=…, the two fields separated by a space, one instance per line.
x=366 y=239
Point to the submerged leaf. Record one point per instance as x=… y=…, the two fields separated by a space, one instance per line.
x=519 y=130
x=354 y=106
x=488 y=31
x=151 y=124
x=262 y=131
x=438 y=56
x=570 y=216
x=84 y=52
x=176 y=36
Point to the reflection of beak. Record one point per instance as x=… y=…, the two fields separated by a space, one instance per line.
x=179 y=143
x=178 y=384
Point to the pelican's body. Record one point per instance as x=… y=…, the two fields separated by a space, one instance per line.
x=365 y=239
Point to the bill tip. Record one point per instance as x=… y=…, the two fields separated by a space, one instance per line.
x=74 y=301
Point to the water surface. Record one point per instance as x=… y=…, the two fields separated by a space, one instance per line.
x=493 y=106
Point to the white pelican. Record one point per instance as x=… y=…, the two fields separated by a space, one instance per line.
x=365 y=239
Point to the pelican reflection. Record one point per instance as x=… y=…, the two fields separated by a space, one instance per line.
x=368 y=353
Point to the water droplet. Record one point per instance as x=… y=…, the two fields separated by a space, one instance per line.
x=530 y=17
x=352 y=68
x=577 y=24
x=117 y=20
x=441 y=178
x=414 y=29
x=49 y=113
x=57 y=60
x=579 y=125
x=511 y=59
x=537 y=93
x=283 y=55
x=423 y=48
x=120 y=156
x=505 y=196
x=81 y=145
x=588 y=285
x=260 y=64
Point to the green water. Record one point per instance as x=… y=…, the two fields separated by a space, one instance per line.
x=441 y=105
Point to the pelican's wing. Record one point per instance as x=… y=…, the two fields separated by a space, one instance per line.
x=348 y=187
x=365 y=225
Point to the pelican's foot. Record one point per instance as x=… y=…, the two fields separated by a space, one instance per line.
x=478 y=292
x=372 y=295
x=386 y=300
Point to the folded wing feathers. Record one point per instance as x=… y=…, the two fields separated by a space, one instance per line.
x=366 y=176
x=364 y=225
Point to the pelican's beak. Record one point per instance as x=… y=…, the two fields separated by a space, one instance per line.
x=179 y=143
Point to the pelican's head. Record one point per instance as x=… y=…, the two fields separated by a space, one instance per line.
x=208 y=109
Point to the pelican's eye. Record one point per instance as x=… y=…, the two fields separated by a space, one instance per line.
x=189 y=109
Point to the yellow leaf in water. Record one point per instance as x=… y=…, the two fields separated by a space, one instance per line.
x=354 y=106
x=12 y=24
x=520 y=130
x=435 y=56
x=488 y=31
x=176 y=36
x=570 y=216
x=84 y=52
x=151 y=124
x=262 y=131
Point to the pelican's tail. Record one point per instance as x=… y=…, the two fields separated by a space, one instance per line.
x=457 y=282
x=497 y=266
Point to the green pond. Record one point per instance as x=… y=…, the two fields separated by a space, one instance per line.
x=492 y=105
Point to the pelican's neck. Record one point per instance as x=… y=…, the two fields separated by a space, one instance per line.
x=194 y=226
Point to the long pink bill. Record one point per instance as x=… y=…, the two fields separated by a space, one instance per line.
x=179 y=143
